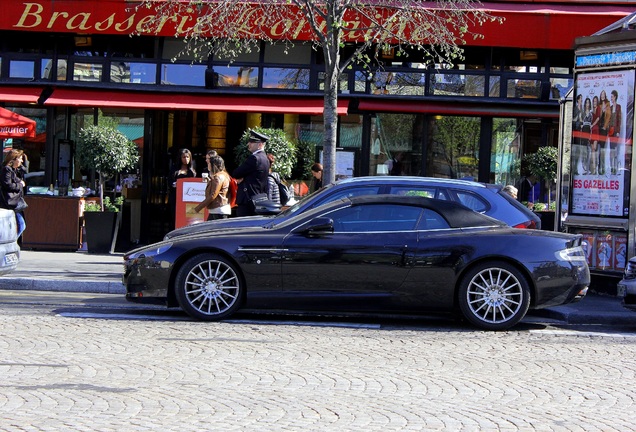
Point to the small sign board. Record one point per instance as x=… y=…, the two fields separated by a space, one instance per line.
x=190 y=192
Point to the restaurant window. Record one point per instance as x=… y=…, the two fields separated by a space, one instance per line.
x=175 y=49
x=453 y=150
x=505 y=151
x=396 y=144
x=55 y=71
x=130 y=122
x=135 y=73
x=286 y=78
x=399 y=83
x=298 y=54
x=87 y=72
x=21 y=69
x=343 y=82
x=183 y=74
x=494 y=89
x=524 y=88
x=360 y=84
x=455 y=84
x=237 y=76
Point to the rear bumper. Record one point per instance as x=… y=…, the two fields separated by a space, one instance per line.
x=626 y=288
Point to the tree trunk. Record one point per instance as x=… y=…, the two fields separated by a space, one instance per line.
x=330 y=113
x=101 y=189
x=330 y=137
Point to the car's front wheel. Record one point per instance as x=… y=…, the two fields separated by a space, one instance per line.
x=208 y=287
x=494 y=296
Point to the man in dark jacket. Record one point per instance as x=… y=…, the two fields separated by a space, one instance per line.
x=252 y=174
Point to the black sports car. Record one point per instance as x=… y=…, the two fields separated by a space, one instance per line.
x=371 y=254
x=488 y=199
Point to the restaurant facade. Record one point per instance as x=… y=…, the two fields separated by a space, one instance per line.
x=69 y=64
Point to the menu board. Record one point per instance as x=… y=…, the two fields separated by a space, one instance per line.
x=190 y=192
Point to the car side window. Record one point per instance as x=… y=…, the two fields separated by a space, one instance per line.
x=472 y=201
x=432 y=221
x=425 y=191
x=348 y=193
x=376 y=217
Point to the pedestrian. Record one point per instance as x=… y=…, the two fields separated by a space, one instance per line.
x=316 y=171
x=12 y=187
x=205 y=174
x=183 y=168
x=252 y=175
x=273 y=192
x=510 y=190
x=216 y=191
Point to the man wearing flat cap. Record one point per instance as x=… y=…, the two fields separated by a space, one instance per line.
x=251 y=175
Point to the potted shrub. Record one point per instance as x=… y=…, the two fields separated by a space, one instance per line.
x=543 y=164
x=278 y=144
x=108 y=152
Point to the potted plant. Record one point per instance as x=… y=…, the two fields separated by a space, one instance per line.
x=278 y=144
x=108 y=152
x=543 y=164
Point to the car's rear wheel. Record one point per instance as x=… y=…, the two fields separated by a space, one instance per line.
x=208 y=287
x=494 y=296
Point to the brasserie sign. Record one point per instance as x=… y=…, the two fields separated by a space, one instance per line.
x=123 y=17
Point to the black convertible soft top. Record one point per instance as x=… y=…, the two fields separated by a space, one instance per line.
x=457 y=215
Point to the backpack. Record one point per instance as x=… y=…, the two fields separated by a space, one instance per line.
x=232 y=190
x=283 y=191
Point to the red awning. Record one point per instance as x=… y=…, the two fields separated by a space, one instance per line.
x=442 y=108
x=179 y=101
x=14 y=125
x=546 y=25
x=20 y=94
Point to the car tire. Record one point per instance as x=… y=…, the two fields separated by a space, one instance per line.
x=209 y=287
x=494 y=295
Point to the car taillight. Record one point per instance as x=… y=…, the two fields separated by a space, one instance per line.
x=530 y=224
x=630 y=270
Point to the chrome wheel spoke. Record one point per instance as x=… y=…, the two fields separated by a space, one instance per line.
x=494 y=295
x=212 y=287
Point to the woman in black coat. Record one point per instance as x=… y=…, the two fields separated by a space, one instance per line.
x=12 y=186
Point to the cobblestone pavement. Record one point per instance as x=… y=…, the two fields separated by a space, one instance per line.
x=64 y=369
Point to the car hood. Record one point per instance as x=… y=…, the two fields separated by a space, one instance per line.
x=220 y=224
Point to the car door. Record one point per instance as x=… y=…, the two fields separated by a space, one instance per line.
x=359 y=265
x=441 y=251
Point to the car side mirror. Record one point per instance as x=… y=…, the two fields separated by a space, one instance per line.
x=318 y=226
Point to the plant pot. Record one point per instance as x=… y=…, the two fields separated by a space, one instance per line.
x=547 y=219
x=100 y=228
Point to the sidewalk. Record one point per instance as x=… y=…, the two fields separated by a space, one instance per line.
x=83 y=272
x=67 y=271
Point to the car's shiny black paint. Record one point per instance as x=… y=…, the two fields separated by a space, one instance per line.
x=288 y=267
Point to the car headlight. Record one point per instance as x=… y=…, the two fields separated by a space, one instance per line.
x=151 y=251
x=574 y=255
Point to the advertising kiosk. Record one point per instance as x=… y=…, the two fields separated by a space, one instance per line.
x=597 y=193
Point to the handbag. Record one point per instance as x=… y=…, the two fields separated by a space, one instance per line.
x=259 y=198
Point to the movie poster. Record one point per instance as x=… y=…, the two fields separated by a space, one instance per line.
x=604 y=251
x=589 y=241
x=620 y=252
x=602 y=132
